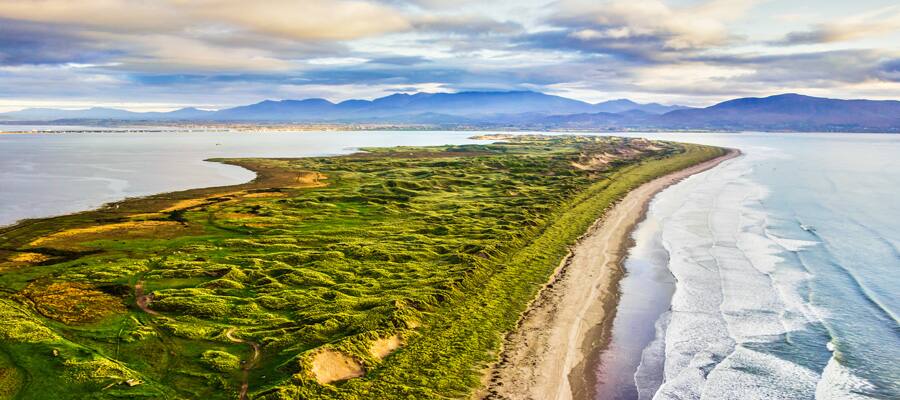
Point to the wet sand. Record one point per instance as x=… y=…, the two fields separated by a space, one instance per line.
x=560 y=337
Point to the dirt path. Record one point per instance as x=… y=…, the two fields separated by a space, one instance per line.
x=143 y=302
x=254 y=357
x=547 y=357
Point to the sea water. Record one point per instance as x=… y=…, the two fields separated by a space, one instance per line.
x=786 y=275
x=43 y=175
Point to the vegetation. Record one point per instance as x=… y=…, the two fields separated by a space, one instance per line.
x=403 y=265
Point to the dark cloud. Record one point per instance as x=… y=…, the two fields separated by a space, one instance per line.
x=455 y=77
x=388 y=75
x=890 y=70
x=804 y=37
x=26 y=43
x=399 y=60
x=824 y=68
x=641 y=49
x=199 y=79
x=465 y=25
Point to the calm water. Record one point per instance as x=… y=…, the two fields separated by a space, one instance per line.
x=52 y=174
x=785 y=270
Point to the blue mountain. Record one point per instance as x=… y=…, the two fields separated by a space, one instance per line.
x=790 y=112
x=465 y=104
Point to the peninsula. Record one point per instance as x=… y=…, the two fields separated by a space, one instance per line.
x=392 y=273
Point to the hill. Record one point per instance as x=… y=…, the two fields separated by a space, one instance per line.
x=791 y=112
x=527 y=110
x=470 y=105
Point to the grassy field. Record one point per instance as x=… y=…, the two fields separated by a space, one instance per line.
x=387 y=274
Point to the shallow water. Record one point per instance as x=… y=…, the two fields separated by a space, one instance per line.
x=787 y=271
x=51 y=174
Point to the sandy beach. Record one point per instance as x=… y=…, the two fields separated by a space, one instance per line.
x=549 y=356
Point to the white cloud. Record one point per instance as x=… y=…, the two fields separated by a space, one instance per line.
x=878 y=22
x=301 y=20
x=685 y=27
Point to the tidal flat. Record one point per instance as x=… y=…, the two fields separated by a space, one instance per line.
x=392 y=273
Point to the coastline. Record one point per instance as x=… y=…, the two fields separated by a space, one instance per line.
x=559 y=337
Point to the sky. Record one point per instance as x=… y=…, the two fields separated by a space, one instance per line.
x=159 y=55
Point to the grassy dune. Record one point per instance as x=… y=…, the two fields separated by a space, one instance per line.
x=387 y=274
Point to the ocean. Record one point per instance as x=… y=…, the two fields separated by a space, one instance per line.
x=773 y=276
x=43 y=175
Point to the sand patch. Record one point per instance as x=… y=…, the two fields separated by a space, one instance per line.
x=594 y=162
x=645 y=144
x=630 y=152
x=146 y=216
x=30 y=258
x=332 y=366
x=131 y=228
x=185 y=204
x=191 y=203
x=383 y=347
x=264 y=195
x=310 y=178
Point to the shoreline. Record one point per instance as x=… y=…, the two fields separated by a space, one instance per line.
x=559 y=338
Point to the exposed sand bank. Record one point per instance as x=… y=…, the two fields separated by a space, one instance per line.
x=548 y=356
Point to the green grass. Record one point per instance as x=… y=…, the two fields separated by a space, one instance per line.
x=443 y=246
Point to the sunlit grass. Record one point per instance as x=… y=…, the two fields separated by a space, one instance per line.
x=439 y=248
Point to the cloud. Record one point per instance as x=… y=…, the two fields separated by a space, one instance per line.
x=883 y=21
x=188 y=36
x=399 y=60
x=464 y=24
x=645 y=26
x=431 y=4
x=157 y=52
x=821 y=68
x=225 y=52
x=890 y=70
x=28 y=43
x=306 y=20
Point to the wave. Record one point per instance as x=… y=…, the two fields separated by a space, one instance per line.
x=839 y=383
x=742 y=324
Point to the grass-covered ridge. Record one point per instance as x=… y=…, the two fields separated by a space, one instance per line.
x=387 y=274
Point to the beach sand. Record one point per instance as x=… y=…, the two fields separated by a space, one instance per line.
x=552 y=353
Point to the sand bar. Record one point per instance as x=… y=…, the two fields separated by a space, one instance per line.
x=547 y=357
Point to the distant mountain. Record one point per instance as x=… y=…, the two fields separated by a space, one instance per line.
x=101 y=113
x=49 y=114
x=189 y=113
x=284 y=110
x=791 y=112
x=786 y=112
x=469 y=105
x=465 y=104
x=625 y=105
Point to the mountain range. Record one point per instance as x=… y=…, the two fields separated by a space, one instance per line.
x=524 y=109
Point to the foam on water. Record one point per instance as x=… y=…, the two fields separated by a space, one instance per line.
x=646 y=379
x=838 y=383
x=742 y=322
